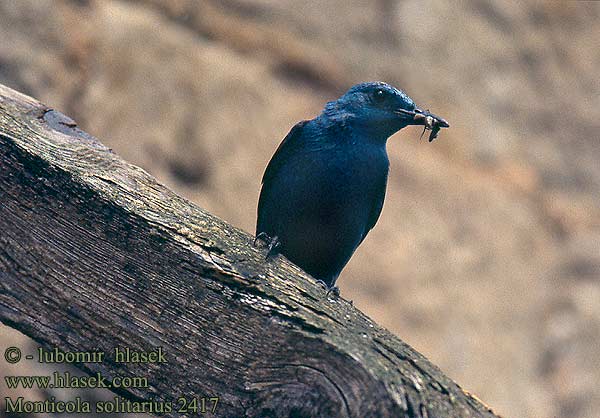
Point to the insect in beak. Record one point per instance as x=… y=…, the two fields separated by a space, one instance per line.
x=429 y=121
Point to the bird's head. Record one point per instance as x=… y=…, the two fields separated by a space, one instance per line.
x=380 y=110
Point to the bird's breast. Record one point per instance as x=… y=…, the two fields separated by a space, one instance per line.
x=357 y=171
x=342 y=186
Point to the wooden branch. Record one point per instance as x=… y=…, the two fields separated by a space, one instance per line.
x=95 y=254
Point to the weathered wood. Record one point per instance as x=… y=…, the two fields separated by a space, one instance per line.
x=95 y=254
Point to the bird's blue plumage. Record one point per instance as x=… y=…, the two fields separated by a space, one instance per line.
x=324 y=188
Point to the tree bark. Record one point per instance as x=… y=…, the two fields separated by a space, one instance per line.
x=95 y=254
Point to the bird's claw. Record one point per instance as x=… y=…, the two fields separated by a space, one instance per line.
x=261 y=236
x=323 y=284
x=273 y=244
x=333 y=290
x=330 y=289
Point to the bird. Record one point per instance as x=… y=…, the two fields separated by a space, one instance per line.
x=324 y=187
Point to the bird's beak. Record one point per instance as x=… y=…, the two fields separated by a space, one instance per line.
x=423 y=117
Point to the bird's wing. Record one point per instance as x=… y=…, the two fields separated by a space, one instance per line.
x=286 y=146
x=379 y=197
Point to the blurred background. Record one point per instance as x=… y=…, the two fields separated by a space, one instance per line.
x=486 y=257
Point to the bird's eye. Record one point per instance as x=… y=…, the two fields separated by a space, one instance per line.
x=379 y=95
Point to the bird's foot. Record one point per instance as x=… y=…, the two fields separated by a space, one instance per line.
x=261 y=236
x=323 y=284
x=273 y=247
x=333 y=290
x=273 y=243
x=330 y=289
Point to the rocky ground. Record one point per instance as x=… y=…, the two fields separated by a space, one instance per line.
x=486 y=257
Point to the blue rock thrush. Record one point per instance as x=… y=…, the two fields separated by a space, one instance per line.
x=324 y=187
